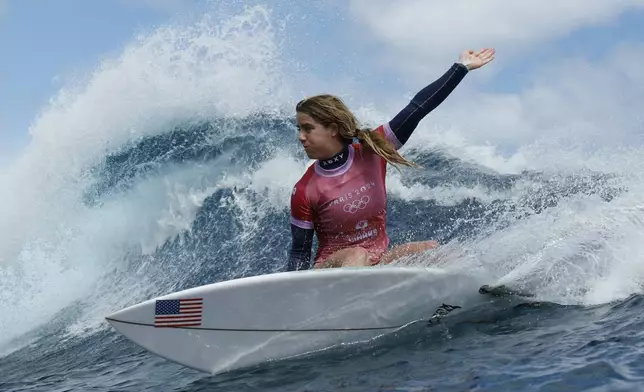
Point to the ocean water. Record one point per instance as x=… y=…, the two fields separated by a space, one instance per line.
x=171 y=165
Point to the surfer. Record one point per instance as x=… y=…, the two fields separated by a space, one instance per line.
x=342 y=196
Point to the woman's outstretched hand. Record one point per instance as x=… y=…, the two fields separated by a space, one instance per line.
x=473 y=60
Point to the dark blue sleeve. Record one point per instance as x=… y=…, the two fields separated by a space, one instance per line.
x=300 y=254
x=427 y=99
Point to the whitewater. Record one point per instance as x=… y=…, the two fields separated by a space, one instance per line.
x=171 y=166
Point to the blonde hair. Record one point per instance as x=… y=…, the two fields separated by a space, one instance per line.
x=328 y=109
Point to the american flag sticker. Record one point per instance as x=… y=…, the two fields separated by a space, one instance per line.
x=173 y=313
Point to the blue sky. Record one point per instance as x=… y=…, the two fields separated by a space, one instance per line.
x=44 y=44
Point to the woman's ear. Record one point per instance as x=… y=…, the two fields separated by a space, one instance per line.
x=335 y=131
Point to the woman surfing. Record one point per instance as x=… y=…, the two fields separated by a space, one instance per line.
x=342 y=197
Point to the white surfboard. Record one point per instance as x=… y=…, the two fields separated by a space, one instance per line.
x=243 y=322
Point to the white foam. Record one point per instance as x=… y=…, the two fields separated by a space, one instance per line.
x=176 y=74
x=442 y=195
x=53 y=247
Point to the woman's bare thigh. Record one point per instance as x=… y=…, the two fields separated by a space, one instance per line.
x=348 y=257
x=406 y=250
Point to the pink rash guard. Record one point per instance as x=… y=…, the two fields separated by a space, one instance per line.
x=346 y=206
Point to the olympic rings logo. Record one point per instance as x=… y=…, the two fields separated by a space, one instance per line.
x=356 y=205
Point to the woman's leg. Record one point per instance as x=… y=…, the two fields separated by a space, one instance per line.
x=348 y=257
x=406 y=250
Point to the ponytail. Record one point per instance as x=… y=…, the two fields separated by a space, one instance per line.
x=383 y=147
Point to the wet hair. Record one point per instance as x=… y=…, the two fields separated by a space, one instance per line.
x=328 y=109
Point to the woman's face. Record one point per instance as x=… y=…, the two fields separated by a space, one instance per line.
x=319 y=142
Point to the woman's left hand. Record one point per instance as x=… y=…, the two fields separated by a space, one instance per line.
x=473 y=60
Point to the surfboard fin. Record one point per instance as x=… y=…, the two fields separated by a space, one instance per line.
x=441 y=312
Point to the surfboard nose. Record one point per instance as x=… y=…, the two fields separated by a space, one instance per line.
x=142 y=313
x=112 y=322
x=116 y=315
